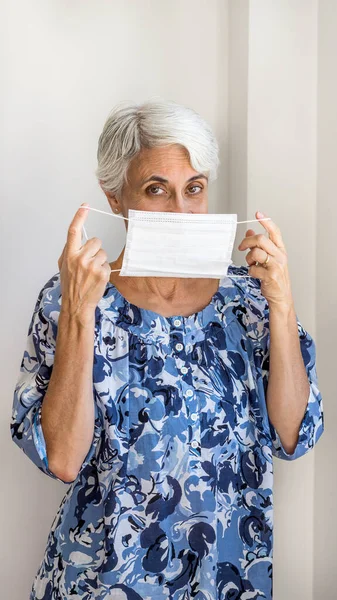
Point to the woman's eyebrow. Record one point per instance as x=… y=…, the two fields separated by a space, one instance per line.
x=162 y=180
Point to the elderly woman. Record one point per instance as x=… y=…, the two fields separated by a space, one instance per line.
x=162 y=401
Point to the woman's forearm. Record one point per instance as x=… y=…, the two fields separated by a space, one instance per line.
x=288 y=385
x=67 y=414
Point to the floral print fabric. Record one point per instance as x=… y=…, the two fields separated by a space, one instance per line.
x=174 y=499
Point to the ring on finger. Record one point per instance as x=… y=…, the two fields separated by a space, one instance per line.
x=265 y=262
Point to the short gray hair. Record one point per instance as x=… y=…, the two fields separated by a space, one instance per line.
x=131 y=127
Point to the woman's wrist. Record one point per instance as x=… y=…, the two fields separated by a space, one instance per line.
x=74 y=319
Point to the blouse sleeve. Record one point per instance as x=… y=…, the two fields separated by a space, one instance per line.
x=312 y=424
x=32 y=383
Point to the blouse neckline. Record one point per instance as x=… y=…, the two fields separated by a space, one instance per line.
x=148 y=323
x=155 y=315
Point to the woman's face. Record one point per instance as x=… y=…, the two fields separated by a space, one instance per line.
x=162 y=179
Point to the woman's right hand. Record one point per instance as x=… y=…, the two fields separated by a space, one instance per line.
x=84 y=272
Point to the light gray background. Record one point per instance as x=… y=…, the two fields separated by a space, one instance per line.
x=263 y=74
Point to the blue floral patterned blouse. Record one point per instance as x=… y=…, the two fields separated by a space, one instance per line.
x=174 y=499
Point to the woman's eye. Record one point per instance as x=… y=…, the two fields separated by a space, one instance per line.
x=193 y=187
x=156 y=190
x=153 y=188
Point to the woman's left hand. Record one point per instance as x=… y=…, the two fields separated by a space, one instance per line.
x=275 y=280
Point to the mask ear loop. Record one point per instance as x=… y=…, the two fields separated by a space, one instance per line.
x=127 y=219
x=85 y=233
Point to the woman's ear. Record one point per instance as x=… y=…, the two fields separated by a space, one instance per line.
x=114 y=203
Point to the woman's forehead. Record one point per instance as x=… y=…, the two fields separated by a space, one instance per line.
x=168 y=162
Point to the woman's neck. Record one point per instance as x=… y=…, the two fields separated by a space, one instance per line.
x=167 y=290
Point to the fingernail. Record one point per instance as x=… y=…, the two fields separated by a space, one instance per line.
x=260 y=215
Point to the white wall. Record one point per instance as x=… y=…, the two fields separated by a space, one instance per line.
x=67 y=65
x=282 y=143
x=325 y=547
x=238 y=65
x=281 y=180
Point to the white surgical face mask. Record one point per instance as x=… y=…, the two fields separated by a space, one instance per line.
x=166 y=244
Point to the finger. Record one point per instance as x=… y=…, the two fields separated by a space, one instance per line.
x=74 y=236
x=272 y=229
x=258 y=272
x=100 y=257
x=91 y=247
x=250 y=232
x=257 y=255
x=259 y=241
